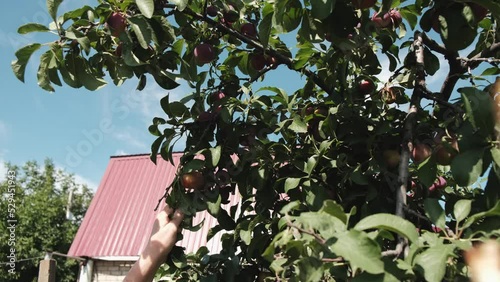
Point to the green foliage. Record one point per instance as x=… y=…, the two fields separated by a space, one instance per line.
x=330 y=187
x=40 y=197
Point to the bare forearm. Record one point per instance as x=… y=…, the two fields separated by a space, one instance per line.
x=146 y=266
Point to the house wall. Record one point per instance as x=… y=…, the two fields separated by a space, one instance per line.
x=111 y=271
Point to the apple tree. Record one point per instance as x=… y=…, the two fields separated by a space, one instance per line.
x=352 y=176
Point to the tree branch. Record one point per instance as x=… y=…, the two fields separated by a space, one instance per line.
x=316 y=236
x=256 y=44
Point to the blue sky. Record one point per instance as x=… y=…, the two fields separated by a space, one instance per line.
x=76 y=128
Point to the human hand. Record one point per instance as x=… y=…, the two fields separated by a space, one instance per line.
x=161 y=242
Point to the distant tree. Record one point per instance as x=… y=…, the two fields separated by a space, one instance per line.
x=40 y=198
x=347 y=174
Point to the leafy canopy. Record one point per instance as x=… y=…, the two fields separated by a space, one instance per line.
x=338 y=181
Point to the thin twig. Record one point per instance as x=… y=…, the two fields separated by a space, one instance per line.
x=316 y=236
x=256 y=44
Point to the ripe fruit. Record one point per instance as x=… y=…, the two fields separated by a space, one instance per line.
x=205 y=116
x=272 y=62
x=445 y=154
x=321 y=111
x=366 y=86
x=381 y=21
x=392 y=18
x=396 y=17
x=391 y=158
x=249 y=30
x=204 y=53
x=119 y=50
x=388 y=95
x=215 y=97
x=479 y=11
x=212 y=11
x=193 y=180
x=421 y=152
x=363 y=4
x=258 y=61
x=231 y=15
x=117 y=23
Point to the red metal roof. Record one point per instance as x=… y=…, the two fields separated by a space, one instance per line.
x=121 y=214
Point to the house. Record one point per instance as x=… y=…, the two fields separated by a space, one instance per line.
x=118 y=223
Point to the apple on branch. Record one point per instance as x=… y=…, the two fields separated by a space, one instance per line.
x=204 y=53
x=117 y=23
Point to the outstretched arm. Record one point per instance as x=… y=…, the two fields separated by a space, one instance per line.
x=161 y=242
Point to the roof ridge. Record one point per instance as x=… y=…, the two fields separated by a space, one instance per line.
x=138 y=155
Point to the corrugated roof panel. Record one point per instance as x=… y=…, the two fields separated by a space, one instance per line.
x=121 y=214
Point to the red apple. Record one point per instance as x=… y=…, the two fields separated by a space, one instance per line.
x=272 y=62
x=444 y=154
x=441 y=182
x=258 y=61
x=438 y=184
x=193 y=180
x=205 y=116
x=212 y=11
x=391 y=158
x=396 y=17
x=421 y=152
x=363 y=4
x=249 y=30
x=117 y=23
x=382 y=21
x=119 y=50
x=366 y=86
x=215 y=97
x=231 y=15
x=321 y=111
x=479 y=11
x=204 y=53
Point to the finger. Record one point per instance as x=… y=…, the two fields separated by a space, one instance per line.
x=168 y=209
x=178 y=217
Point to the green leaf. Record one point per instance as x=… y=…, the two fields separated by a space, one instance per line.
x=432 y=262
x=389 y=222
x=466 y=167
x=495 y=211
x=32 y=27
x=213 y=207
x=291 y=183
x=265 y=29
x=321 y=9
x=431 y=62
x=435 y=212
x=52 y=6
x=147 y=7
x=462 y=209
x=359 y=250
x=155 y=147
x=181 y=4
x=477 y=105
x=298 y=125
x=142 y=30
x=43 y=71
x=495 y=153
x=334 y=209
x=215 y=155
x=23 y=55
x=303 y=56
x=287 y=15
x=427 y=171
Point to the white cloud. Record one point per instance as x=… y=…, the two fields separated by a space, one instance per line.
x=85 y=181
x=121 y=152
x=3 y=129
x=3 y=170
x=128 y=138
